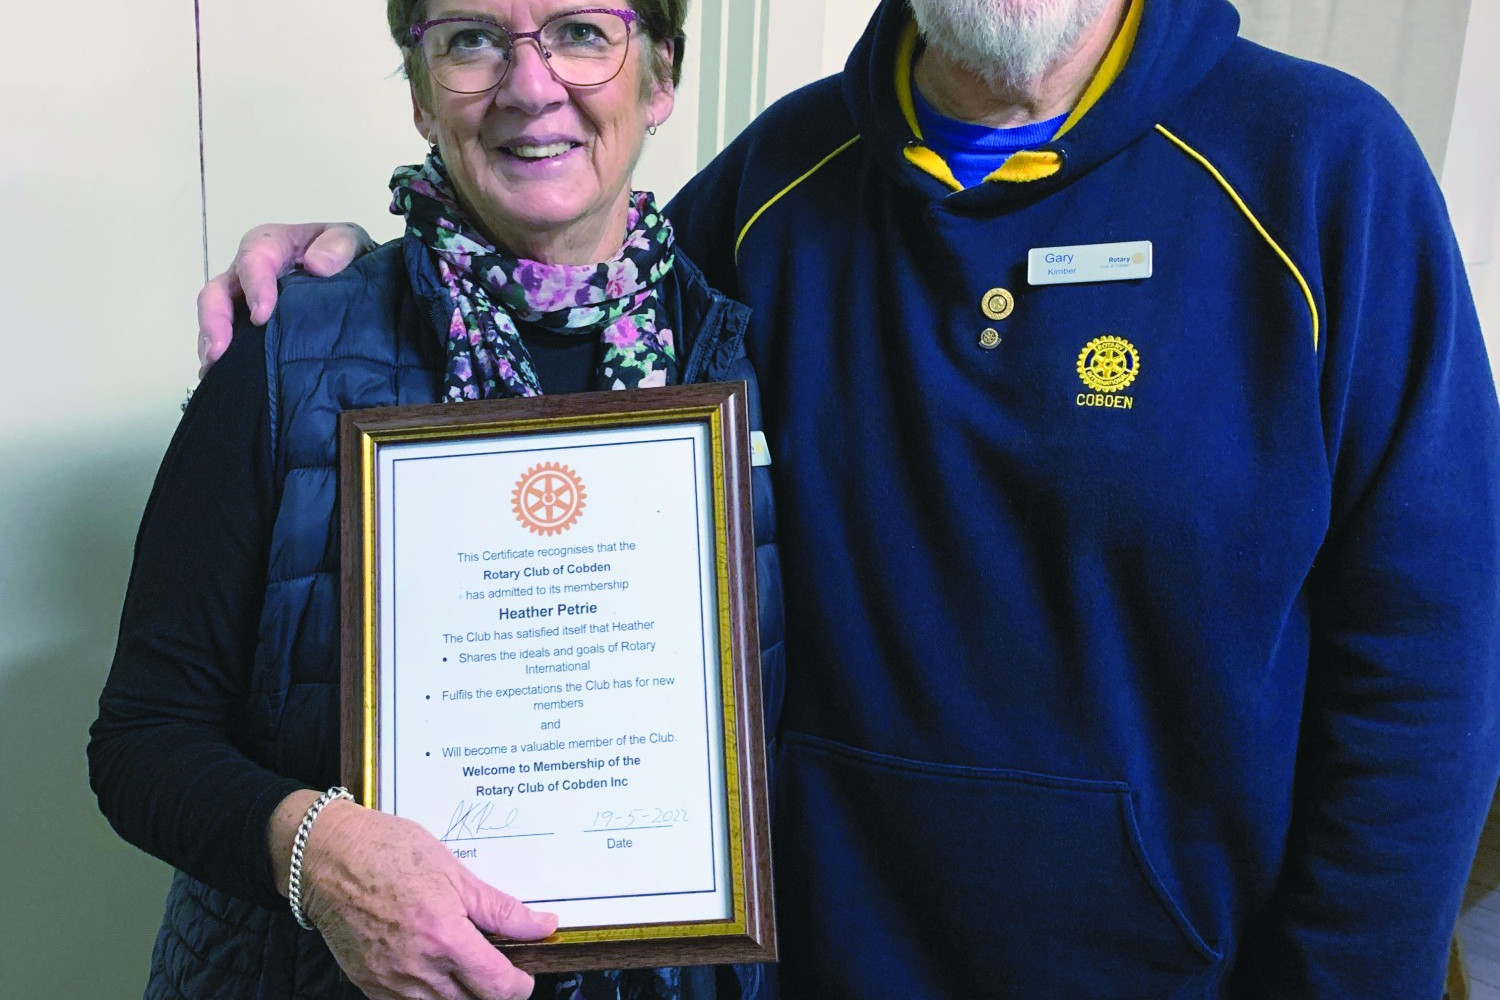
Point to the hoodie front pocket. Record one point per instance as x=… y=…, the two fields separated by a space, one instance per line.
x=902 y=878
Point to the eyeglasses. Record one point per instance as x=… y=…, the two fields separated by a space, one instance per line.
x=582 y=48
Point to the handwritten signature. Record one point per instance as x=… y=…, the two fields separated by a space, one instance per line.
x=470 y=822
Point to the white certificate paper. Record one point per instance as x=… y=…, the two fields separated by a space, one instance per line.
x=549 y=690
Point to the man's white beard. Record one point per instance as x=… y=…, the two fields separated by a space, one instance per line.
x=1006 y=42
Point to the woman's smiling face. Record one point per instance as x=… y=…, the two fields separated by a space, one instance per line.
x=544 y=167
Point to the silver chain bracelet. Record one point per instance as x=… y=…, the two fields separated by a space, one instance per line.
x=299 y=845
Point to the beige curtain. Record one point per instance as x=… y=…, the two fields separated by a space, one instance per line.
x=732 y=47
x=1409 y=50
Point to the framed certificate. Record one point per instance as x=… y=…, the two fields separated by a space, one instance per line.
x=550 y=661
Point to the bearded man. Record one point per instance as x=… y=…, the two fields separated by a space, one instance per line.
x=1137 y=466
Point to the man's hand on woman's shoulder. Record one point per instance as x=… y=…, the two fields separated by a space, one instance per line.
x=266 y=253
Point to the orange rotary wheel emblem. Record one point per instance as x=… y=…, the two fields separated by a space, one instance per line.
x=548 y=498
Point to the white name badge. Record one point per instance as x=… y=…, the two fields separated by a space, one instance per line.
x=1090 y=262
x=760 y=451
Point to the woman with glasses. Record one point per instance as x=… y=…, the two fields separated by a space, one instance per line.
x=528 y=266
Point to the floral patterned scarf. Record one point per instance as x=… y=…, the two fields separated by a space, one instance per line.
x=491 y=289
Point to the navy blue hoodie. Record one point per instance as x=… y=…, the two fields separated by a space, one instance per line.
x=1142 y=635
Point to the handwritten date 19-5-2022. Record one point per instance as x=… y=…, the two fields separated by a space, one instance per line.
x=638 y=819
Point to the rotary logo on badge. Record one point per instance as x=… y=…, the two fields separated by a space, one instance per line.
x=548 y=499
x=1109 y=364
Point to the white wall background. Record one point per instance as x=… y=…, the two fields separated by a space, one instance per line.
x=104 y=254
x=97 y=273
x=1471 y=171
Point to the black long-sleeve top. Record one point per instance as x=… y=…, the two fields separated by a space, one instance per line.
x=165 y=755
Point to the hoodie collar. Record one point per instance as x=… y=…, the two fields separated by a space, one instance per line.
x=1162 y=50
x=1026 y=164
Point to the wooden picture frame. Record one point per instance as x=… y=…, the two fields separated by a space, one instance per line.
x=392 y=617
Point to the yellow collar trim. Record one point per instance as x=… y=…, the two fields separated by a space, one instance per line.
x=917 y=155
x=906 y=54
x=1110 y=69
x=931 y=163
x=1027 y=164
